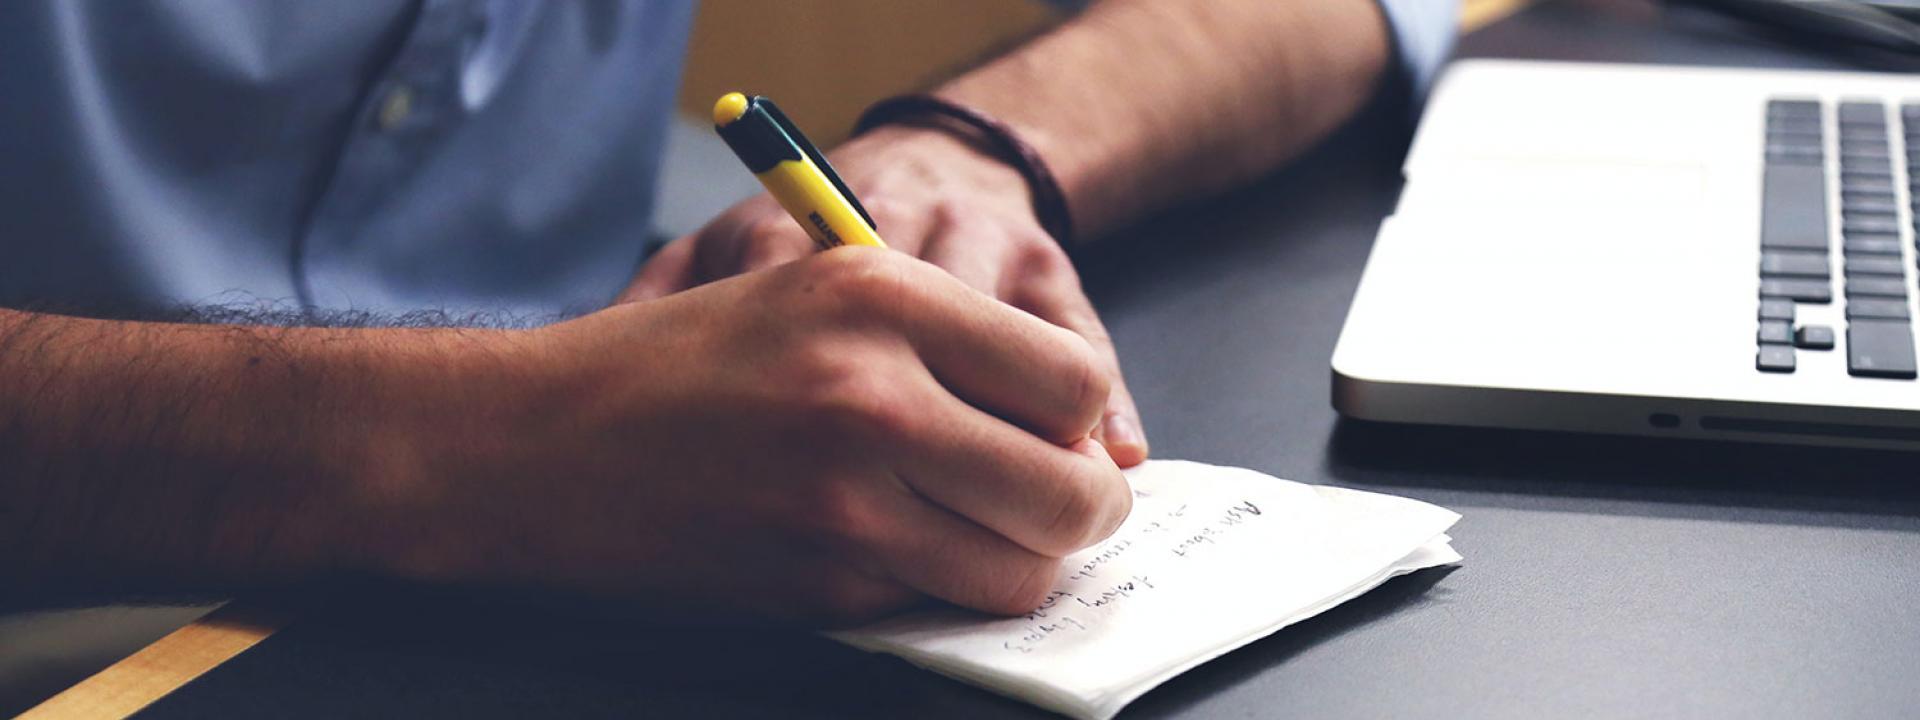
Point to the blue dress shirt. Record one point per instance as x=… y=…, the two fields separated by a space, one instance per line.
x=1423 y=34
x=381 y=155
x=377 y=155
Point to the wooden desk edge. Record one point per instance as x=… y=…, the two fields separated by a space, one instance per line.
x=1476 y=14
x=175 y=660
x=158 y=669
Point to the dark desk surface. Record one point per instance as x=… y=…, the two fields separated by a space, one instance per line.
x=1604 y=577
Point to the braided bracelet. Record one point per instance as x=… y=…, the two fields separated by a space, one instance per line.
x=999 y=139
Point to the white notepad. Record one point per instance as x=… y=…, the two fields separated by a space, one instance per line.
x=1211 y=559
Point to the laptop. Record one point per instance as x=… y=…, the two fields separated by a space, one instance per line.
x=1649 y=250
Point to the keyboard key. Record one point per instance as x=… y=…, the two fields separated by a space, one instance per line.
x=1775 y=331
x=1775 y=358
x=1892 y=234
x=1813 y=337
x=1876 y=287
x=1814 y=140
x=1877 y=309
x=1776 y=309
x=1794 y=111
x=1794 y=155
x=1793 y=107
x=1794 y=208
x=1865 y=158
x=1847 y=134
x=1865 y=265
x=1860 y=113
x=1880 y=348
x=1807 y=291
x=1888 y=216
x=1868 y=186
x=1856 y=224
x=1849 y=194
x=1852 y=173
x=1865 y=152
x=1810 y=140
x=1876 y=244
x=1794 y=264
x=1881 y=205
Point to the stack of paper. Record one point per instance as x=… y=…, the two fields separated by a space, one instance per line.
x=1211 y=559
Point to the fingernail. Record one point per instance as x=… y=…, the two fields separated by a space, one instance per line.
x=1122 y=430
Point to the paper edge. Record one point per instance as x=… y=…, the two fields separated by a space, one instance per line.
x=1439 y=552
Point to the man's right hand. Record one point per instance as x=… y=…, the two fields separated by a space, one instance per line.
x=825 y=441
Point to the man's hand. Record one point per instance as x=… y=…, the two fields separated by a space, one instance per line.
x=825 y=441
x=1192 y=98
x=936 y=198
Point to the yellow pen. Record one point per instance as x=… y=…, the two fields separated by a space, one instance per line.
x=793 y=171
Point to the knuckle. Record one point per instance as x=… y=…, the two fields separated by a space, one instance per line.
x=850 y=398
x=767 y=227
x=1026 y=586
x=767 y=250
x=948 y=215
x=1088 y=326
x=1047 y=260
x=887 y=209
x=1119 y=508
x=1089 y=380
x=1077 y=516
x=837 y=513
x=1088 y=511
x=864 y=280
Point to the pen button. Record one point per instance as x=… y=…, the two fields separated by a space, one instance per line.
x=396 y=107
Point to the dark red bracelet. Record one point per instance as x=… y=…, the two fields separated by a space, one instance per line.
x=1049 y=201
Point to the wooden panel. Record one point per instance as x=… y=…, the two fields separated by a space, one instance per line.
x=1476 y=14
x=164 y=666
x=825 y=60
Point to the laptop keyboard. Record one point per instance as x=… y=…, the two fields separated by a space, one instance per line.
x=1795 y=243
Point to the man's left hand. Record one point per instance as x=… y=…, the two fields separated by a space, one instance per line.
x=935 y=197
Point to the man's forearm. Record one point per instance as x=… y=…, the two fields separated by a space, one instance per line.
x=1138 y=103
x=187 y=455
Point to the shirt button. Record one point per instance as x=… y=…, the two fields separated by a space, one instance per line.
x=395 y=108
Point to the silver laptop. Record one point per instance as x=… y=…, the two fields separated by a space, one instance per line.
x=1687 y=252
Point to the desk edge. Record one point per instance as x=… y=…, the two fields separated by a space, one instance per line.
x=128 y=686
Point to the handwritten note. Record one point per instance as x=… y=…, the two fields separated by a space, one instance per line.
x=1212 y=558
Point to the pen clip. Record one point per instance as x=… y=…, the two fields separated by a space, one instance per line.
x=813 y=153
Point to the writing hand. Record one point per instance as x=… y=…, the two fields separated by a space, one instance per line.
x=824 y=441
x=934 y=197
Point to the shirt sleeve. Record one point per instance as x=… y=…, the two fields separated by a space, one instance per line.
x=1423 y=33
